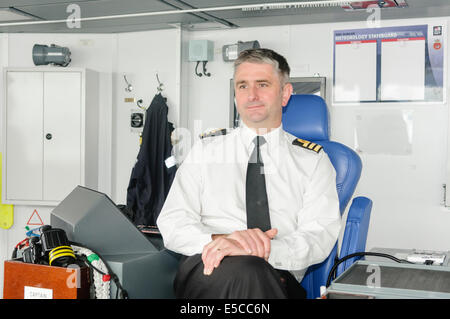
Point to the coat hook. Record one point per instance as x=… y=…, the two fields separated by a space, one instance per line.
x=160 y=85
x=140 y=104
x=129 y=87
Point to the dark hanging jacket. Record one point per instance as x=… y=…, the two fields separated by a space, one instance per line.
x=150 y=178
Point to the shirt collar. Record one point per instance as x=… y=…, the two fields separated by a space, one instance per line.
x=273 y=138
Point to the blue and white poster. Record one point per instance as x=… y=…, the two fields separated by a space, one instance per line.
x=390 y=64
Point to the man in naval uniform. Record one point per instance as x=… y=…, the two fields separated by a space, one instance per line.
x=251 y=209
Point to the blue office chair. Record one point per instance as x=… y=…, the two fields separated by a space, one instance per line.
x=306 y=117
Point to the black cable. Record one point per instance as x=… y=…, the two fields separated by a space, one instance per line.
x=123 y=292
x=339 y=261
x=87 y=263
x=204 y=69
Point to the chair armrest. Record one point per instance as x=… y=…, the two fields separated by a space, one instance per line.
x=317 y=275
x=356 y=229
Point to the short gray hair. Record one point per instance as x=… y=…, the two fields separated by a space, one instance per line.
x=265 y=56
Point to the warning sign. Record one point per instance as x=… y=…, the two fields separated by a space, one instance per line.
x=35 y=219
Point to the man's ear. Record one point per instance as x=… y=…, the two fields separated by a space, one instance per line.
x=287 y=92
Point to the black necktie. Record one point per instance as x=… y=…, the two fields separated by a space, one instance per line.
x=256 y=194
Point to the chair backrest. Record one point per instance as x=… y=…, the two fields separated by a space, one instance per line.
x=306 y=116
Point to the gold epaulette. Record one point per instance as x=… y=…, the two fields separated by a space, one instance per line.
x=308 y=145
x=214 y=133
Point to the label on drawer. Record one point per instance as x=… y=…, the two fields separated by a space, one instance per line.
x=37 y=293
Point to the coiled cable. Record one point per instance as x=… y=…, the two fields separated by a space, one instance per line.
x=101 y=283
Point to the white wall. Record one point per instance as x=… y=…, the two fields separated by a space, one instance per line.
x=90 y=51
x=209 y=97
x=139 y=55
x=406 y=189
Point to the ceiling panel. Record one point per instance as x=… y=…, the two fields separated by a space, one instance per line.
x=107 y=26
x=329 y=17
x=280 y=13
x=19 y=3
x=98 y=8
x=54 y=11
x=101 y=28
x=251 y=18
x=57 y=10
x=223 y=3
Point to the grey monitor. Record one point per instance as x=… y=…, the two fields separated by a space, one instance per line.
x=91 y=219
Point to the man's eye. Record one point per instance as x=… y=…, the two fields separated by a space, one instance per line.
x=263 y=85
x=242 y=86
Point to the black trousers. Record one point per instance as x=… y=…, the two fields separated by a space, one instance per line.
x=237 y=277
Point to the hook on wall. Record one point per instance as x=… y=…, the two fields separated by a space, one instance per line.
x=160 y=87
x=140 y=104
x=204 y=69
x=129 y=87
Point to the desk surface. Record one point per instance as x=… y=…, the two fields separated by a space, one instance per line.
x=400 y=276
x=394 y=280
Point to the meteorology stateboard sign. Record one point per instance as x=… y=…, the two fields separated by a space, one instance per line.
x=389 y=64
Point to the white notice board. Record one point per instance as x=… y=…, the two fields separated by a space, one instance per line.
x=403 y=69
x=390 y=64
x=355 y=77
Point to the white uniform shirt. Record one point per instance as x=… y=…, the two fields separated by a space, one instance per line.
x=208 y=197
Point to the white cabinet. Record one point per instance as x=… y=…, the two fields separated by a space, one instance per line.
x=50 y=134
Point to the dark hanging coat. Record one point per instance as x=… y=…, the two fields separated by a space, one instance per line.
x=150 y=178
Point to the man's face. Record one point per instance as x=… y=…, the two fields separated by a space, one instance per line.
x=259 y=95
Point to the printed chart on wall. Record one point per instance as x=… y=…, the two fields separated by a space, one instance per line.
x=389 y=64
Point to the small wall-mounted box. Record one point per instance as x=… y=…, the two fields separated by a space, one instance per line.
x=201 y=50
x=137 y=120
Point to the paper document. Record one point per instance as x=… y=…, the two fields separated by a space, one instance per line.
x=355 y=71
x=403 y=69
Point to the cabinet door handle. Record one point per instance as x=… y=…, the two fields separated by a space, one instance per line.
x=48 y=136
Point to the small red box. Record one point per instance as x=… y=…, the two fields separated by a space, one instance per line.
x=41 y=281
